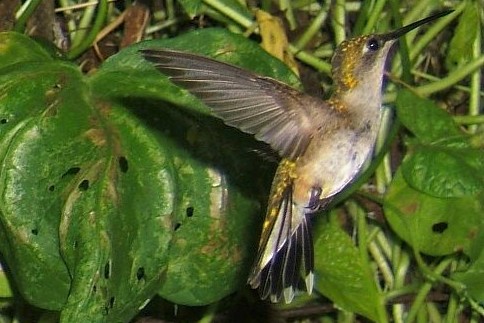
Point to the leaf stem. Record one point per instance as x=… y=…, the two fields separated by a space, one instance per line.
x=375 y=15
x=338 y=21
x=87 y=41
x=476 y=78
x=463 y=120
x=425 y=289
x=311 y=60
x=452 y=79
x=286 y=7
x=313 y=28
x=24 y=14
x=364 y=246
x=229 y=12
x=452 y=311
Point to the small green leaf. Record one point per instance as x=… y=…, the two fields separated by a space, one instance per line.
x=425 y=120
x=460 y=47
x=192 y=7
x=435 y=226
x=342 y=274
x=445 y=172
x=472 y=277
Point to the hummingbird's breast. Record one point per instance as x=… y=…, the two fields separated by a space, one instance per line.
x=334 y=159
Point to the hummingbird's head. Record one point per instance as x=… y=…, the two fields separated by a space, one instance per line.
x=362 y=59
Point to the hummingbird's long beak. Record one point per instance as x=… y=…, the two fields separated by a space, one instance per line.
x=405 y=29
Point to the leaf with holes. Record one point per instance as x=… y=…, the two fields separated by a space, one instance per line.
x=108 y=201
x=68 y=184
x=432 y=225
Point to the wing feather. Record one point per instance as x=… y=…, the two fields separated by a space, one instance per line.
x=272 y=111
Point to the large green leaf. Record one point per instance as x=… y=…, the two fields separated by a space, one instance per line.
x=108 y=199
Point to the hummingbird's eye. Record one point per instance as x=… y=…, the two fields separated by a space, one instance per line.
x=373 y=44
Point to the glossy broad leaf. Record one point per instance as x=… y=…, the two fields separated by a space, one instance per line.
x=445 y=171
x=426 y=121
x=342 y=274
x=78 y=202
x=102 y=208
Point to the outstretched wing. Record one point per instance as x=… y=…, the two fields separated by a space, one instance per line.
x=272 y=111
x=286 y=246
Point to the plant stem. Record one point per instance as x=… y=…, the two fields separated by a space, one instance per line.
x=375 y=15
x=229 y=12
x=26 y=11
x=476 y=78
x=338 y=21
x=286 y=6
x=452 y=78
x=424 y=290
x=311 y=60
x=463 y=120
x=91 y=36
x=313 y=28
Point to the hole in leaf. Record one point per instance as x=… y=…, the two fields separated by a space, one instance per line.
x=3 y=121
x=107 y=270
x=52 y=188
x=84 y=185
x=140 y=273
x=123 y=164
x=440 y=227
x=35 y=231
x=177 y=226
x=190 y=210
x=71 y=171
x=111 y=302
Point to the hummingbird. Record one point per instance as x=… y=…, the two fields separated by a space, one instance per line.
x=323 y=144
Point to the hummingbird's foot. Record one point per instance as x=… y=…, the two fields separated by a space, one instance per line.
x=314 y=200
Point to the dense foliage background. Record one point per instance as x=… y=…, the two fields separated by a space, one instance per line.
x=123 y=199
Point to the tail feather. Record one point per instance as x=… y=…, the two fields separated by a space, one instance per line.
x=286 y=247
